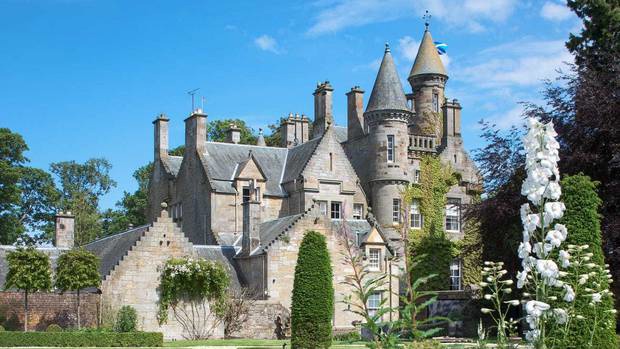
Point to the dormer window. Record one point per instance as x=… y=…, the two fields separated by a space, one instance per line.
x=436 y=102
x=246 y=194
x=390 y=148
x=374 y=259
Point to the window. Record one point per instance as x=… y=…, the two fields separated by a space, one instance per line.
x=416 y=216
x=358 y=211
x=416 y=176
x=455 y=274
x=374 y=259
x=246 y=194
x=358 y=238
x=390 y=148
x=331 y=162
x=453 y=215
x=257 y=194
x=436 y=102
x=396 y=210
x=177 y=212
x=323 y=208
x=374 y=303
x=335 y=210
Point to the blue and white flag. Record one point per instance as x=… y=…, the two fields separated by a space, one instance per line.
x=441 y=47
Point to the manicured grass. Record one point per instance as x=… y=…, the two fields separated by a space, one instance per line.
x=271 y=343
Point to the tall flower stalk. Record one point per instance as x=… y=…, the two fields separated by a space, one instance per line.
x=540 y=248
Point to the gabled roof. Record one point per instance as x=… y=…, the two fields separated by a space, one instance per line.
x=222 y=159
x=112 y=249
x=387 y=93
x=427 y=60
x=243 y=164
x=172 y=165
x=297 y=159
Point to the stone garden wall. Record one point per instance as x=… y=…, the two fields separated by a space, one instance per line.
x=48 y=308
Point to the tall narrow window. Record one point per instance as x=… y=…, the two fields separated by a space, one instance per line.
x=257 y=196
x=323 y=208
x=416 y=176
x=246 y=194
x=453 y=215
x=396 y=210
x=374 y=259
x=358 y=210
x=358 y=238
x=374 y=302
x=335 y=213
x=331 y=162
x=390 y=148
x=436 y=102
x=416 y=216
x=455 y=274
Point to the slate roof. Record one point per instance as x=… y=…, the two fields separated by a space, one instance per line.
x=427 y=60
x=172 y=165
x=387 y=93
x=341 y=133
x=52 y=252
x=223 y=255
x=222 y=160
x=112 y=249
x=270 y=230
x=297 y=159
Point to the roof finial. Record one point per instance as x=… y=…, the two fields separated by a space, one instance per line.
x=427 y=19
x=387 y=47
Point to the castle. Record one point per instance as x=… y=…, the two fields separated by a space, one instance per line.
x=248 y=206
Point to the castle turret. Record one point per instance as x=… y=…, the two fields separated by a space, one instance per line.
x=428 y=79
x=387 y=117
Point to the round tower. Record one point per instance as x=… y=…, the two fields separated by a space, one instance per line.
x=428 y=80
x=387 y=117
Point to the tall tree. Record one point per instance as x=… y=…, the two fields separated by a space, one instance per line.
x=12 y=160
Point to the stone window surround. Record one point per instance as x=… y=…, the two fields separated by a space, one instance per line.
x=453 y=215
x=416 y=219
x=358 y=211
x=390 y=148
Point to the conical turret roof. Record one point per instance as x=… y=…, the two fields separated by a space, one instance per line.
x=427 y=60
x=387 y=93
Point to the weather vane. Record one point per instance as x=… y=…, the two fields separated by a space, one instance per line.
x=427 y=18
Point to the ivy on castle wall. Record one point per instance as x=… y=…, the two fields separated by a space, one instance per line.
x=431 y=241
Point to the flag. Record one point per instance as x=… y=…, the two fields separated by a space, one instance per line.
x=441 y=47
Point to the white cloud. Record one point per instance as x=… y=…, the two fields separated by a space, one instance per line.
x=373 y=66
x=469 y=14
x=516 y=64
x=511 y=117
x=267 y=43
x=555 y=12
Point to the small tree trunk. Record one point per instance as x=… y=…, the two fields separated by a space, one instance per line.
x=79 y=325
x=25 y=310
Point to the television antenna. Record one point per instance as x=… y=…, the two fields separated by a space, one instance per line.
x=192 y=93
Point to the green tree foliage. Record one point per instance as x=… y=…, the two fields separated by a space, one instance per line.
x=82 y=185
x=313 y=295
x=217 y=130
x=76 y=270
x=599 y=35
x=28 y=195
x=431 y=241
x=584 y=228
x=29 y=271
x=126 y=320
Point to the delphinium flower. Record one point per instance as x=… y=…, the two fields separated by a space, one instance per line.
x=496 y=288
x=542 y=270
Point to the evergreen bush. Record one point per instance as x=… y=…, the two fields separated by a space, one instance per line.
x=313 y=295
x=584 y=228
x=81 y=339
x=126 y=320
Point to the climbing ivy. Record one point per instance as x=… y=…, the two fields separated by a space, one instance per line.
x=431 y=241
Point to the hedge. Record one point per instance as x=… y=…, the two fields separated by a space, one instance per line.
x=312 y=306
x=81 y=339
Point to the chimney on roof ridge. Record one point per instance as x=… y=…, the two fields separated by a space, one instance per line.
x=323 y=113
x=355 y=113
x=161 y=136
x=65 y=230
x=234 y=134
x=251 y=221
x=294 y=130
x=196 y=132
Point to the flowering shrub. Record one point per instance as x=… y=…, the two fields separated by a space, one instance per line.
x=188 y=285
x=550 y=283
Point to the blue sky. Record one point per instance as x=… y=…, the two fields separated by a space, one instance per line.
x=85 y=78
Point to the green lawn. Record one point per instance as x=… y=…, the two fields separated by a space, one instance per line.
x=267 y=343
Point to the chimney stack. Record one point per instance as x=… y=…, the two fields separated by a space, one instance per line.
x=196 y=132
x=234 y=134
x=294 y=130
x=65 y=226
x=452 y=118
x=161 y=136
x=323 y=115
x=355 y=113
x=251 y=221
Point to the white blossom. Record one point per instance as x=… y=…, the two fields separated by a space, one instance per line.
x=547 y=269
x=525 y=248
x=569 y=296
x=564 y=259
x=596 y=297
x=561 y=316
